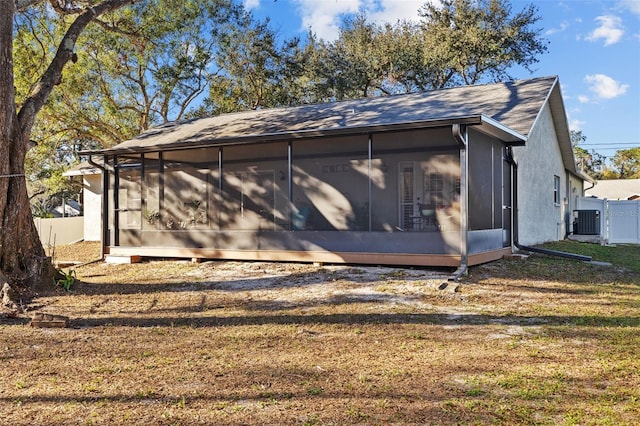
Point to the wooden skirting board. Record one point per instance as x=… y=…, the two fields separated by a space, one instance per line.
x=408 y=259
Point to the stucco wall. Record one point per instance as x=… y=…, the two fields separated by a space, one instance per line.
x=540 y=219
x=92 y=207
x=575 y=193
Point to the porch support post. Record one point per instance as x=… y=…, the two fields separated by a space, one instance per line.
x=460 y=135
x=290 y=183
x=143 y=195
x=116 y=202
x=220 y=188
x=105 y=207
x=370 y=203
x=104 y=214
x=160 y=187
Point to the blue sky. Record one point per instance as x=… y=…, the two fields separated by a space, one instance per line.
x=594 y=48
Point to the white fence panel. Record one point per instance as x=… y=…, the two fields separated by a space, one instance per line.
x=593 y=204
x=619 y=220
x=624 y=222
x=60 y=231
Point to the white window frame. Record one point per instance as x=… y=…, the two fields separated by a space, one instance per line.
x=556 y=190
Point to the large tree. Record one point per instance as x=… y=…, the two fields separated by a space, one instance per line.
x=455 y=42
x=625 y=164
x=22 y=257
x=138 y=67
x=480 y=39
x=589 y=162
x=254 y=69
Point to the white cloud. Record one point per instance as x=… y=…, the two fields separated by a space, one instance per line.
x=632 y=6
x=610 y=30
x=563 y=26
x=251 y=4
x=325 y=16
x=583 y=99
x=605 y=87
x=576 y=124
x=393 y=10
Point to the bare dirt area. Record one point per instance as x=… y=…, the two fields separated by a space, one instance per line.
x=536 y=341
x=82 y=252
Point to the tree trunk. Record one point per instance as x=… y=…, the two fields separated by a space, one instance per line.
x=22 y=257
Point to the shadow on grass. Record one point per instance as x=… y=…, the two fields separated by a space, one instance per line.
x=582 y=276
x=409 y=407
x=360 y=319
x=269 y=282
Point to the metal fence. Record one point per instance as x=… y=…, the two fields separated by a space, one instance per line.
x=619 y=220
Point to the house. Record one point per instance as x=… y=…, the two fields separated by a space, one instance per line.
x=451 y=177
x=91 y=198
x=67 y=208
x=615 y=189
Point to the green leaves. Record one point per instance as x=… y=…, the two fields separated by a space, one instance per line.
x=457 y=42
x=482 y=39
x=137 y=67
x=255 y=70
x=66 y=280
x=626 y=163
x=151 y=62
x=591 y=163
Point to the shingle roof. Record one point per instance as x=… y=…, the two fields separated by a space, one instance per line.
x=514 y=105
x=615 y=189
x=81 y=169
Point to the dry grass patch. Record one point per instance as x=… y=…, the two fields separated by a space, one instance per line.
x=541 y=341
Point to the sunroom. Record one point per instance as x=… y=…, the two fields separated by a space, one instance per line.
x=434 y=192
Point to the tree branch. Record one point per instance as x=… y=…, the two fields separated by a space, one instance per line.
x=64 y=7
x=36 y=193
x=25 y=4
x=53 y=75
x=113 y=28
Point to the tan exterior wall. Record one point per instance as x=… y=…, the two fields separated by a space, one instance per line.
x=67 y=230
x=60 y=231
x=540 y=218
x=92 y=207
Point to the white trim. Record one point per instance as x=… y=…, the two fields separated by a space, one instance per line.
x=499 y=130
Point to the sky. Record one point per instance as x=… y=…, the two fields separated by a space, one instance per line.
x=594 y=49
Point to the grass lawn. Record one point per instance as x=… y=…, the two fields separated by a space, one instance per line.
x=538 y=341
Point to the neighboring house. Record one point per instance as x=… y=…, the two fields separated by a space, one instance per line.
x=67 y=208
x=91 y=199
x=419 y=179
x=615 y=189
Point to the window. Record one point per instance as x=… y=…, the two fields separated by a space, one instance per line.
x=407 y=196
x=429 y=198
x=556 y=190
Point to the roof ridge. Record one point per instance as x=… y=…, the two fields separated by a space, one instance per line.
x=514 y=104
x=346 y=101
